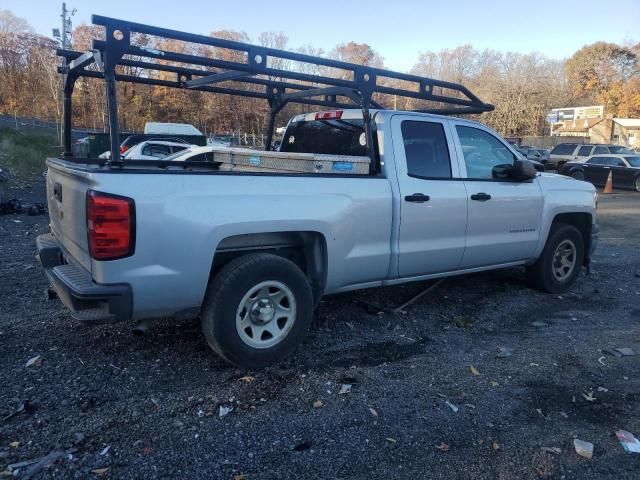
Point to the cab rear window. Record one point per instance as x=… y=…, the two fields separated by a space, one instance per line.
x=331 y=137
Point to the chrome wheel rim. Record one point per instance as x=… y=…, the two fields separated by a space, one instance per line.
x=564 y=260
x=638 y=184
x=266 y=314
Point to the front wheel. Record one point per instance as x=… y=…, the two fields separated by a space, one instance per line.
x=578 y=175
x=559 y=265
x=636 y=184
x=257 y=310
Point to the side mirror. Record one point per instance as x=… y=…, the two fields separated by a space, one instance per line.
x=522 y=170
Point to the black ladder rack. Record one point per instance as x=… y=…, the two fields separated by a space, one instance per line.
x=254 y=76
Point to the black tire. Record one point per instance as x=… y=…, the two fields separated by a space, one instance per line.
x=578 y=174
x=225 y=294
x=540 y=275
x=636 y=184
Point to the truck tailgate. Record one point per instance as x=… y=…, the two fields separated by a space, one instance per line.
x=66 y=198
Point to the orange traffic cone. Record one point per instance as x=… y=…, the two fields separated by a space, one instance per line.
x=608 y=188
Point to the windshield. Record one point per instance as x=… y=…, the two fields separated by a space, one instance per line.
x=619 y=149
x=633 y=161
x=331 y=137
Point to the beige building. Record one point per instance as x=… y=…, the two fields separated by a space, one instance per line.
x=620 y=131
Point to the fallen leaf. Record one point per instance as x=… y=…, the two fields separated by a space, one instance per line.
x=495 y=445
x=34 y=362
x=100 y=471
x=318 y=404
x=373 y=412
x=494 y=383
x=474 y=370
x=14 y=444
x=224 y=411
x=584 y=449
x=239 y=477
x=247 y=379
x=443 y=447
x=589 y=397
x=392 y=440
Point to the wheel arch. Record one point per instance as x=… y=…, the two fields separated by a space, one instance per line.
x=307 y=249
x=583 y=221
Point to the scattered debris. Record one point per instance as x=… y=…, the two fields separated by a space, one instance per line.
x=41 y=464
x=600 y=360
x=584 y=449
x=344 y=389
x=100 y=471
x=373 y=412
x=504 y=352
x=34 y=362
x=540 y=324
x=443 y=447
x=247 y=379
x=25 y=406
x=602 y=389
x=494 y=383
x=626 y=351
x=178 y=423
x=589 y=397
x=105 y=450
x=224 y=411
x=553 y=450
x=452 y=406
x=14 y=444
x=392 y=440
x=318 y=404
x=78 y=438
x=474 y=370
x=495 y=446
x=612 y=352
x=463 y=321
x=630 y=443
x=240 y=476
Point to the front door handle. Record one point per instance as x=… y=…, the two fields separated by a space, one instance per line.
x=481 y=197
x=417 y=198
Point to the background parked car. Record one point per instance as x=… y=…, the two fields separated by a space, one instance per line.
x=624 y=169
x=568 y=152
x=151 y=150
x=537 y=154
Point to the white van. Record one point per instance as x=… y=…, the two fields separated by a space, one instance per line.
x=158 y=128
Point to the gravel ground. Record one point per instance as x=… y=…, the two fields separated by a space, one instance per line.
x=111 y=404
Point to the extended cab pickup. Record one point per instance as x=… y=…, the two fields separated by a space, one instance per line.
x=252 y=253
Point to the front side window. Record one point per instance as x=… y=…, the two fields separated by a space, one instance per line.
x=426 y=149
x=633 y=161
x=596 y=161
x=157 y=151
x=482 y=152
x=615 y=162
x=585 y=151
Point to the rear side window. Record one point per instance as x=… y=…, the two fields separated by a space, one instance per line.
x=331 y=137
x=600 y=151
x=615 y=162
x=155 y=150
x=563 y=149
x=585 y=151
x=426 y=150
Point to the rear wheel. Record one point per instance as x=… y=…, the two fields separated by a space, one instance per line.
x=559 y=265
x=578 y=175
x=257 y=310
x=636 y=184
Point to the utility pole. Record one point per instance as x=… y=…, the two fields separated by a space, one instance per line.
x=64 y=35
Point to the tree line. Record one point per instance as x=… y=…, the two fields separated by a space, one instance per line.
x=523 y=87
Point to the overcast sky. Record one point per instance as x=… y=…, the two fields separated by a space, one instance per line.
x=398 y=29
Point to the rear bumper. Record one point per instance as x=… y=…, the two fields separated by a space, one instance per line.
x=88 y=301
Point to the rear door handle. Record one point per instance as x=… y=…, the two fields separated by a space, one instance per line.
x=481 y=197
x=417 y=198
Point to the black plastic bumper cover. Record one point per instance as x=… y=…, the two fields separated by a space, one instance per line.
x=89 y=301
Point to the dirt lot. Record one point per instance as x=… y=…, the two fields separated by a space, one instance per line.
x=119 y=405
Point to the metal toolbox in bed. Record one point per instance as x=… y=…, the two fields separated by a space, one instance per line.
x=244 y=159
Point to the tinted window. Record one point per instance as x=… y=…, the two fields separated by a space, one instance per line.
x=585 y=151
x=158 y=151
x=619 y=149
x=633 y=161
x=482 y=151
x=564 y=149
x=425 y=147
x=332 y=137
x=600 y=151
x=615 y=162
x=596 y=161
x=175 y=149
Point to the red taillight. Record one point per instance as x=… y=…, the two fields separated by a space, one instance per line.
x=123 y=148
x=110 y=226
x=330 y=115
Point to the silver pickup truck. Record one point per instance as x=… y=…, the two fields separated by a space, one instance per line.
x=252 y=253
